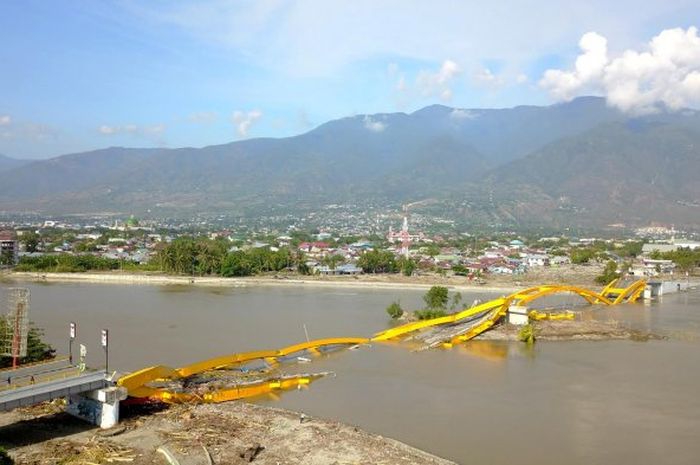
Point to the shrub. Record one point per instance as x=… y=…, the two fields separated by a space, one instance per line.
x=609 y=273
x=527 y=334
x=394 y=310
x=5 y=458
x=429 y=314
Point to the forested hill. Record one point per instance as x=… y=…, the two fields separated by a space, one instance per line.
x=542 y=162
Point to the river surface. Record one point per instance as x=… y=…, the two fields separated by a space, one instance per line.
x=609 y=402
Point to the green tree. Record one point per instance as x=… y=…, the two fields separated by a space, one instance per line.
x=332 y=261
x=436 y=298
x=6 y=258
x=581 y=256
x=377 y=261
x=37 y=349
x=609 y=273
x=406 y=265
x=300 y=264
x=460 y=270
x=31 y=240
x=236 y=264
x=631 y=249
x=432 y=250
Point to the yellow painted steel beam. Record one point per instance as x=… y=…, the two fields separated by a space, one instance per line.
x=635 y=288
x=610 y=286
x=539 y=316
x=416 y=325
x=587 y=294
x=265 y=387
x=138 y=378
x=490 y=320
x=312 y=345
x=224 y=361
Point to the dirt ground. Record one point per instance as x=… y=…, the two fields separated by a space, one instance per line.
x=230 y=433
x=569 y=330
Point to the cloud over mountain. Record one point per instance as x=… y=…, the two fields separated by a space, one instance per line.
x=666 y=74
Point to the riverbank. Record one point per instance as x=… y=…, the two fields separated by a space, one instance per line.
x=231 y=433
x=360 y=282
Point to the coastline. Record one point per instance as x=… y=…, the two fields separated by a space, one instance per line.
x=364 y=282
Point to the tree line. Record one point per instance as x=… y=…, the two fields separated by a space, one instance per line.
x=192 y=256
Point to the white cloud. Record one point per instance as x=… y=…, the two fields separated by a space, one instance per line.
x=244 y=120
x=438 y=83
x=401 y=85
x=203 y=117
x=666 y=74
x=108 y=130
x=521 y=78
x=486 y=77
x=461 y=114
x=5 y=120
x=152 y=132
x=373 y=125
x=319 y=38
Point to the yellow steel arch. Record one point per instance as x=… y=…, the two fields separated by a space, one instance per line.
x=322 y=343
x=224 y=361
x=590 y=296
x=136 y=383
x=488 y=313
x=630 y=293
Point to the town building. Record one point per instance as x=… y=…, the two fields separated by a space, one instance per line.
x=9 y=247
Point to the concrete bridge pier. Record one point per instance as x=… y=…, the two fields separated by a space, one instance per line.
x=517 y=315
x=99 y=407
x=655 y=289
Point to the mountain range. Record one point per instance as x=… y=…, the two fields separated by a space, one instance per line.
x=569 y=163
x=7 y=163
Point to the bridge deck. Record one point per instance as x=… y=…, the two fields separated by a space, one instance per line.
x=39 y=372
x=41 y=392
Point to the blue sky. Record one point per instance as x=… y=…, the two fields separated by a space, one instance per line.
x=80 y=75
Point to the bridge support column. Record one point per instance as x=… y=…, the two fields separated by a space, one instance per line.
x=100 y=407
x=653 y=289
x=517 y=315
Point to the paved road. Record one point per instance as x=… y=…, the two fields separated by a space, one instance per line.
x=37 y=373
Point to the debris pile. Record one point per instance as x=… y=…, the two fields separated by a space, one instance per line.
x=95 y=450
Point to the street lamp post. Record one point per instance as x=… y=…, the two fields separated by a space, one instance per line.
x=105 y=346
x=71 y=338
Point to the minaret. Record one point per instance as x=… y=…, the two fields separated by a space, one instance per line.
x=405 y=237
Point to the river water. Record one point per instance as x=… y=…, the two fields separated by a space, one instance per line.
x=609 y=402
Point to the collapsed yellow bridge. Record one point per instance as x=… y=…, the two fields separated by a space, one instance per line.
x=142 y=384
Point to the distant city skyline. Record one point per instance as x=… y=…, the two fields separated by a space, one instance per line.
x=81 y=75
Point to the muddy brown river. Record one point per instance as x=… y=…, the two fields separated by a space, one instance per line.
x=583 y=402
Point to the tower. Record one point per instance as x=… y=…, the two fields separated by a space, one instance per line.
x=16 y=324
x=405 y=237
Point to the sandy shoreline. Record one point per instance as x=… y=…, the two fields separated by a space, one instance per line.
x=159 y=280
